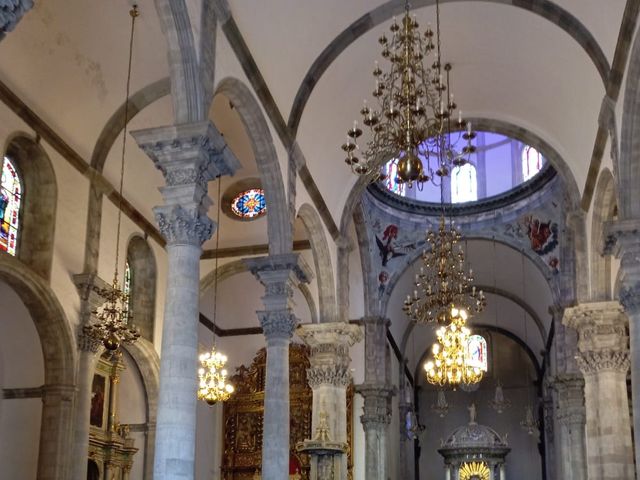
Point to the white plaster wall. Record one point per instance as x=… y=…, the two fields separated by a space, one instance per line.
x=22 y=366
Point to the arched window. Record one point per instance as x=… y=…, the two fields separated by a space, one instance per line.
x=126 y=287
x=464 y=184
x=532 y=162
x=391 y=172
x=10 y=196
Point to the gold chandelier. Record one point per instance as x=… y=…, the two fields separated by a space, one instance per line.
x=443 y=280
x=412 y=122
x=114 y=327
x=451 y=361
x=213 y=385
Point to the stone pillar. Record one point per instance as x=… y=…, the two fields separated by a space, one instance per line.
x=604 y=362
x=571 y=435
x=623 y=239
x=377 y=393
x=278 y=274
x=329 y=376
x=88 y=286
x=189 y=156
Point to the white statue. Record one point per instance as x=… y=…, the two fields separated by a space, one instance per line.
x=472 y=414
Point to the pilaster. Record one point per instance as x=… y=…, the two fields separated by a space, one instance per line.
x=189 y=156
x=604 y=361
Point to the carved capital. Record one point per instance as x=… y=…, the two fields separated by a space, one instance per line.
x=601 y=326
x=604 y=360
x=279 y=268
x=621 y=237
x=336 y=375
x=377 y=405
x=180 y=226
x=86 y=343
x=187 y=153
x=11 y=13
x=277 y=324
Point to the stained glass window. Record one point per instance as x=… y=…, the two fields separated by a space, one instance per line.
x=391 y=172
x=10 y=196
x=464 y=184
x=477 y=352
x=249 y=204
x=126 y=289
x=532 y=162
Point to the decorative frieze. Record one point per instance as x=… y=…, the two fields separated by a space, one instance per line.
x=334 y=375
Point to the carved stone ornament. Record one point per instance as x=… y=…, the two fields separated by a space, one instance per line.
x=277 y=324
x=336 y=375
x=86 y=343
x=604 y=360
x=376 y=409
x=180 y=226
x=11 y=12
x=262 y=267
x=177 y=149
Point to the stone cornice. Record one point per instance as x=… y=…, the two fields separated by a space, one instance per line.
x=334 y=334
x=261 y=267
x=620 y=236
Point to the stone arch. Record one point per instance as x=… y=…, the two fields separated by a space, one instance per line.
x=148 y=363
x=278 y=221
x=628 y=167
x=142 y=263
x=40 y=198
x=322 y=259
x=235 y=267
x=604 y=206
x=190 y=102
x=545 y=8
x=59 y=354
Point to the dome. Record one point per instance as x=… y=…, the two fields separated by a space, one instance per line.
x=474 y=435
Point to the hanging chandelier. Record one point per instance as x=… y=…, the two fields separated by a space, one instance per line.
x=114 y=326
x=443 y=281
x=529 y=423
x=441 y=407
x=451 y=363
x=213 y=386
x=412 y=124
x=499 y=403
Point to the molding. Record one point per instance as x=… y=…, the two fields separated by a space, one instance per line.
x=249 y=250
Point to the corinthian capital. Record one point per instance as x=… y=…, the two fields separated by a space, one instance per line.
x=277 y=324
x=604 y=360
x=181 y=226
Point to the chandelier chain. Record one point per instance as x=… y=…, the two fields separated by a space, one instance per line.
x=134 y=12
x=215 y=278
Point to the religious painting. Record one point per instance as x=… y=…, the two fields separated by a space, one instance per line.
x=541 y=236
x=98 y=394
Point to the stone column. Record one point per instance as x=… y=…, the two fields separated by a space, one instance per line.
x=278 y=274
x=377 y=393
x=604 y=362
x=329 y=376
x=189 y=156
x=87 y=285
x=622 y=238
x=571 y=419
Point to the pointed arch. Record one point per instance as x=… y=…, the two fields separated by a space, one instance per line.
x=278 y=221
x=322 y=260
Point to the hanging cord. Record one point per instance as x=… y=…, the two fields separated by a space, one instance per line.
x=524 y=317
x=134 y=12
x=215 y=278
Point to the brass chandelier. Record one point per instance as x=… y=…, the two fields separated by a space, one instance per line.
x=412 y=122
x=450 y=363
x=213 y=386
x=114 y=326
x=443 y=281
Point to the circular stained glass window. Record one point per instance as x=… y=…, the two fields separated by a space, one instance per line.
x=249 y=204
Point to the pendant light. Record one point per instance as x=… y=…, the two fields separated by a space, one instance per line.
x=213 y=386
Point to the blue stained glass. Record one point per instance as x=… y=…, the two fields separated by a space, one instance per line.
x=249 y=204
x=10 y=197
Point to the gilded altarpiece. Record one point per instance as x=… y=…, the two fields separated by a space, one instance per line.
x=243 y=415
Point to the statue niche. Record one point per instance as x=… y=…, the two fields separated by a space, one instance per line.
x=243 y=414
